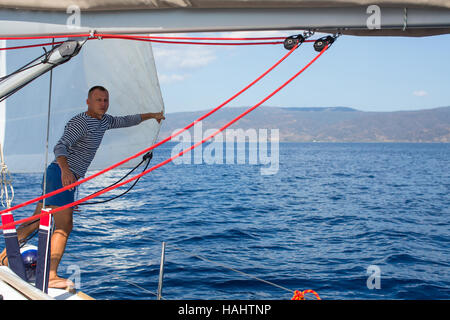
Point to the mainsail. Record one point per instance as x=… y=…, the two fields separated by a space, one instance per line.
x=127 y=70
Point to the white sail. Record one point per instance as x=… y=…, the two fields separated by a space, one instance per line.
x=125 y=68
x=129 y=71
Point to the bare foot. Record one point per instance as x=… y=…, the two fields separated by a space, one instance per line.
x=3 y=258
x=60 y=283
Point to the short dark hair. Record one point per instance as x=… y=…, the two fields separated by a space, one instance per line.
x=96 y=88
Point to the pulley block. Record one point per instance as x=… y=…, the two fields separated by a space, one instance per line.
x=323 y=42
x=292 y=41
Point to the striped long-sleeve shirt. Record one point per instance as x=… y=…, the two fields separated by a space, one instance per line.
x=82 y=137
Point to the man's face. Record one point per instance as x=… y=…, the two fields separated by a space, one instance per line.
x=98 y=102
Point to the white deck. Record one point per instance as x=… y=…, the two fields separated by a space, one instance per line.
x=14 y=288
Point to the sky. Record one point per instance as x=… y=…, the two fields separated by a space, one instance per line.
x=365 y=73
x=381 y=74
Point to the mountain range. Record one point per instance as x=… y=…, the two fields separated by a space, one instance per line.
x=327 y=124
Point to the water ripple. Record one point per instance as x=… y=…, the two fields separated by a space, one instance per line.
x=330 y=212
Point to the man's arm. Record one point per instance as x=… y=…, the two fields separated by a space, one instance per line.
x=132 y=120
x=157 y=116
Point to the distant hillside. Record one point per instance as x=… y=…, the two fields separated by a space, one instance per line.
x=333 y=124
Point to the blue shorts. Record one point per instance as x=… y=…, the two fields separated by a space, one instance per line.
x=54 y=183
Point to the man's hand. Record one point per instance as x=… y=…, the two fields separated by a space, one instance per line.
x=157 y=116
x=67 y=178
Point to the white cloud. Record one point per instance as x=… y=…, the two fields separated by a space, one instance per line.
x=171 y=78
x=175 y=62
x=179 y=56
x=420 y=93
x=183 y=57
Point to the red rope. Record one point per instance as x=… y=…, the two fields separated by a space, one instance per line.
x=148 y=39
x=32 y=45
x=162 y=39
x=197 y=38
x=155 y=39
x=300 y=295
x=141 y=36
x=209 y=38
x=153 y=146
x=82 y=35
x=53 y=211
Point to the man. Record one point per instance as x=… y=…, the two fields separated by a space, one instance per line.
x=74 y=153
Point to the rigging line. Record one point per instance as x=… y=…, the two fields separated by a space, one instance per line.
x=229 y=268
x=125 y=192
x=32 y=45
x=48 y=129
x=157 y=144
x=121 y=278
x=5 y=184
x=192 y=42
x=195 y=38
x=81 y=35
x=148 y=157
x=200 y=257
x=37 y=61
x=137 y=286
x=69 y=205
x=22 y=242
x=169 y=40
x=94 y=35
x=159 y=39
x=25 y=67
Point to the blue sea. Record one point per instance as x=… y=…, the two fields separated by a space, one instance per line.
x=350 y=221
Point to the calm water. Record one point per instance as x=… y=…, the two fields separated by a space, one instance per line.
x=330 y=212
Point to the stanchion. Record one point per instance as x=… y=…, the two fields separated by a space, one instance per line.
x=15 y=261
x=43 y=259
x=161 y=271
